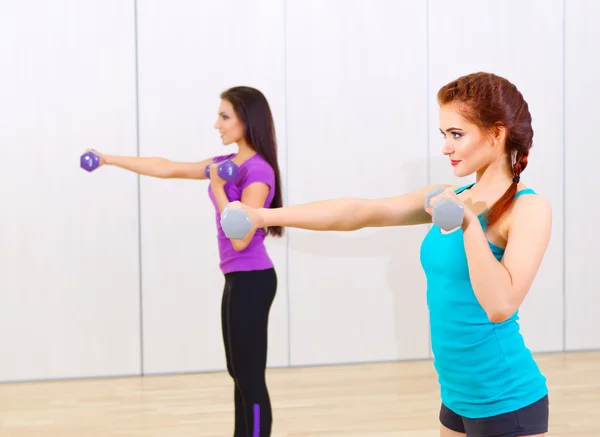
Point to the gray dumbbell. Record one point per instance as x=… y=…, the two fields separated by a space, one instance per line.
x=432 y=194
x=235 y=223
x=447 y=214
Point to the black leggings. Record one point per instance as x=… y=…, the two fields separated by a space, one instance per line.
x=247 y=300
x=530 y=420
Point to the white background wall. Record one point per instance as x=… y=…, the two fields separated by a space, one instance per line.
x=109 y=274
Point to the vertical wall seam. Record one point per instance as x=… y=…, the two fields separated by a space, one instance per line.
x=427 y=135
x=137 y=135
x=286 y=195
x=564 y=179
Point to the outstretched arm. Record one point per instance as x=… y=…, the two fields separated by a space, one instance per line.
x=501 y=287
x=157 y=167
x=348 y=214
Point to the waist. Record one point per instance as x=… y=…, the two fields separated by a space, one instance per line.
x=253 y=257
x=485 y=369
x=477 y=346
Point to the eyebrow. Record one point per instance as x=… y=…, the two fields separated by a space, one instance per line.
x=451 y=129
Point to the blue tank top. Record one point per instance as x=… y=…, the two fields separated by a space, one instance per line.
x=484 y=368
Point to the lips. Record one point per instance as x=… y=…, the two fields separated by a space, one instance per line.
x=454 y=162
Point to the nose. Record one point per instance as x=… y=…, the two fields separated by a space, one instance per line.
x=447 y=149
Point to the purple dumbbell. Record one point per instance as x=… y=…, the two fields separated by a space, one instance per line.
x=90 y=161
x=227 y=170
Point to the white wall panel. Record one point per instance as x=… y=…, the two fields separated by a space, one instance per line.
x=352 y=86
x=357 y=127
x=521 y=41
x=69 y=295
x=582 y=212
x=189 y=52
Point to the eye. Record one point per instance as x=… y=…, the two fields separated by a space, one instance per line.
x=455 y=135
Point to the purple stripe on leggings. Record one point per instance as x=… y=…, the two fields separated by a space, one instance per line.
x=256 y=432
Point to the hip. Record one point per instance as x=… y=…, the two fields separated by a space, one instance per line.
x=253 y=257
x=475 y=395
x=529 y=419
x=252 y=281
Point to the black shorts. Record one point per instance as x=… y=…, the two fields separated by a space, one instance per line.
x=530 y=420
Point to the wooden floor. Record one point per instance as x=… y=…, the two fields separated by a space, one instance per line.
x=375 y=400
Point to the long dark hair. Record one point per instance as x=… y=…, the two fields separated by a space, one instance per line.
x=491 y=101
x=253 y=110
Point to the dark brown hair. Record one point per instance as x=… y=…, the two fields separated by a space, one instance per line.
x=253 y=110
x=491 y=101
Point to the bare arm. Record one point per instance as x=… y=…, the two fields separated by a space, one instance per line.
x=159 y=167
x=350 y=214
x=501 y=287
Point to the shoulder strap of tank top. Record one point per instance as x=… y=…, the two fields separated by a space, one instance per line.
x=525 y=191
x=461 y=189
x=519 y=193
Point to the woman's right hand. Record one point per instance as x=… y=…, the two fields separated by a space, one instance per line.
x=101 y=158
x=254 y=215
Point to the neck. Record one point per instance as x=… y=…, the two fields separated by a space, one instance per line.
x=245 y=151
x=496 y=175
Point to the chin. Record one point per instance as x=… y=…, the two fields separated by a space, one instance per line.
x=460 y=172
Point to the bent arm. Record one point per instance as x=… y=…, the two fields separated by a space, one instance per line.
x=160 y=167
x=501 y=286
x=350 y=214
x=255 y=196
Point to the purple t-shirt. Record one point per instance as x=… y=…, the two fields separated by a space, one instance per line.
x=254 y=256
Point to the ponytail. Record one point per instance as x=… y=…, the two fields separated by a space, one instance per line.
x=504 y=203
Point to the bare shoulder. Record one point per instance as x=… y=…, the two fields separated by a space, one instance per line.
x=531 y=212
x=532 y=205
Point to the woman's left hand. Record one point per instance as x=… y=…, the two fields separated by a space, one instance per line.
x=215 y=179
x=449 y=193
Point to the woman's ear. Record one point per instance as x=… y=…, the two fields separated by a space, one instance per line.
x=499 y=135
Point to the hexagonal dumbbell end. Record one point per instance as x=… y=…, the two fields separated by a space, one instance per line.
x=448 y=214
x=235 y=223
x=228 y=170
x=432 y=194
x=89 y=161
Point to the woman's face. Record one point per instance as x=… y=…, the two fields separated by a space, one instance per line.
x=467 y=146
x=228 y=124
